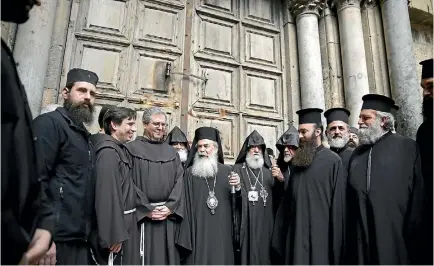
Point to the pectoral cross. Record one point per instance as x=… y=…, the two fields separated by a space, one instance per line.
x=264 y=194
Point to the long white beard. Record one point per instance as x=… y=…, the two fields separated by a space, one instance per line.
x=255 y=161
x=287 y=158
x=337 y=143
x=371 y=134
x=205 y=167
x=183 y=154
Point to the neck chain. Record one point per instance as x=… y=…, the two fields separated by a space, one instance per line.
x=211 y=201
x=253 y=194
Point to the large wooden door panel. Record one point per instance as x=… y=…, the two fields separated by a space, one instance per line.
x=237 y=47
x=135 y=47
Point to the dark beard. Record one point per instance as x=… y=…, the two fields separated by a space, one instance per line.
x=427 y=108
x=305 y=153
x=79 y=113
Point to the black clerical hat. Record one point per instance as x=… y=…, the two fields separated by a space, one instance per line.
x=81 y=75
x=207 y=133
x=378 y=102
x=427 y=68
x=354 y=130
x=309 y=116
x=337 y=114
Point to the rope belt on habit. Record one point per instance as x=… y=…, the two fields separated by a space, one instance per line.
x=142 y=233
x=130 y=211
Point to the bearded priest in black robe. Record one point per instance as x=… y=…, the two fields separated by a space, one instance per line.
x=118 y=238
x=177 y=139
x=158 y=175
x=353 y=138
x=310 y=220
x=338 y=133
x=253 y=165
x=208 y=231
x=385 y=191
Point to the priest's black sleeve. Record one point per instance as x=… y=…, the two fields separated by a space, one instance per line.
x=108 y=199
x=47 y=144
x=338 y=212
x=413 y=234
x=175 y=202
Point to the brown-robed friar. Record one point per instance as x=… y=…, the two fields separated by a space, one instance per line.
x=158 y=175
x=117 y=238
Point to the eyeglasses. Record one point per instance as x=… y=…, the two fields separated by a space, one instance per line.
x=157 y=124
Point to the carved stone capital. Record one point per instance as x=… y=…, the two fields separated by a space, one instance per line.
x=369 y=3
x=301 y=7
x=341 y=4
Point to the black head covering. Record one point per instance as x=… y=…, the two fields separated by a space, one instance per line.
x=205 y=133
x=354 y=130
x=289 y=138
x=309 y=116
x=378 y=102
x=427 y=68
x=177 y=136
x=254 y=139
x=270 y=152
x=81 y=75
x=337 y=114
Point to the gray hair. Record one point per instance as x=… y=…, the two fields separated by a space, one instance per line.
x=216 y=145
x=389 y=124
x=49 y=108
x=149 y=112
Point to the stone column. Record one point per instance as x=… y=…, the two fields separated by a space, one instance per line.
x=376 y=59
x=353 y=56
x=306 y=13
x=404 y=81
x=31 y=51
x=331 y=59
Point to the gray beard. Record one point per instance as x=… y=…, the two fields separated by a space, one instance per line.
x=337 y=142
x=370 y=135
x=255 y=161
x=287 y=158
x=205 y=167
x=183 y=154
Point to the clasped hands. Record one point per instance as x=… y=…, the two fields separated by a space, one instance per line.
x=160 y=213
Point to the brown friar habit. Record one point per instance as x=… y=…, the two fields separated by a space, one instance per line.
x=115 y=202
x=309 y=227
x=385 y=199
x=208 y=236
x=257 y=220
x=158 y=175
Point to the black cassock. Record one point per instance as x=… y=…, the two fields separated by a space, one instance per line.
x=309 y=227
x=345 y=154
x=207 y=235
x=115 y=202
x=257 y=221
x=384 y=207
x=424 y=139
x=158 y=175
